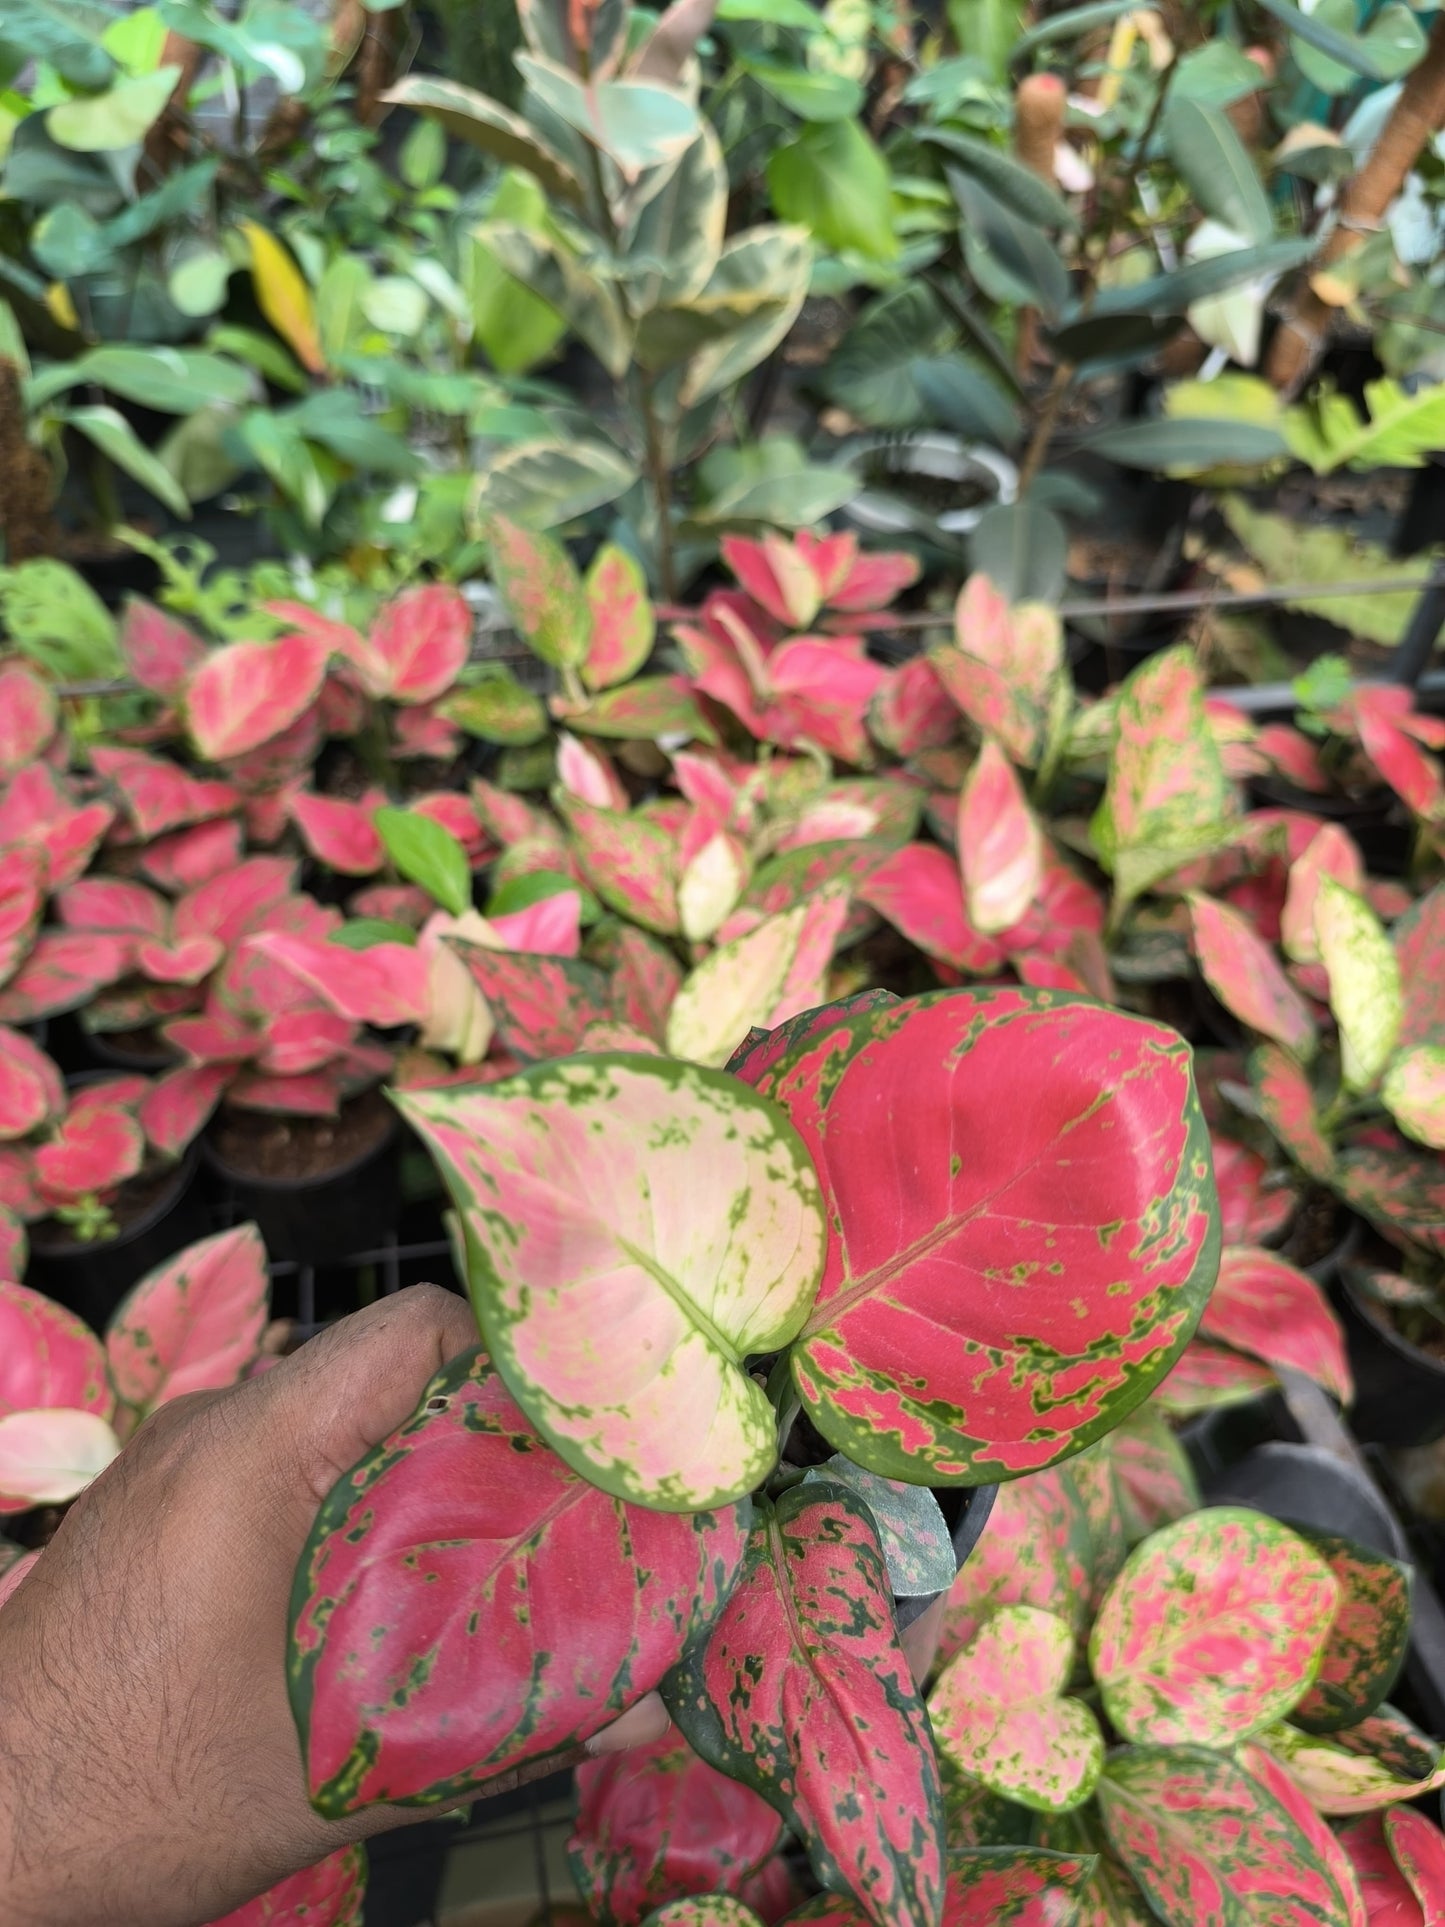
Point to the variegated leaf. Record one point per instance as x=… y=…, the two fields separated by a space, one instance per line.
x=1380 y=1760
x=193 y=1324
x=1143 y=1473
x=1418 y=1850
x=622 y=619
x=1367 y=1641
x=1254 y=1204
x=159 y=650
x=734 y=989
x=1287 y=1105
x=28 y=717
x=1414 y=1093
x=1419 y=941
x=1000 y=1713
x=1000 y=844
x=628 y=860
x=625 y=1194
x=421 y=638
x=801 y=1691
x=1244 y=974
x=246 y=693
x=1262 y=1766
x=49 y=1456
x=1213 y=1628
x=910 y=1523
x=1401 y=1191
x=22 y=898
x=1271 y=1310
x=1209 y=1846
x=1035 y=1551
x=974 y=1817
x=330 y=1894
x=992 y=1887
x=1389 y=1900
x=709 y=1910
x=1006 y=672
x=464 y=1537
x=1110 y=1896
x=1333 y=853
x=542 y=1005
x=996 y=1297
x=1364 y=981
x=917 y=890
x=541 y=588
x=31 y=1091
x=656 y=1824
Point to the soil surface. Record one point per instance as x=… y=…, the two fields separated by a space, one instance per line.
x=145 y=1046
x=1319 y=1224
x=260 y=1144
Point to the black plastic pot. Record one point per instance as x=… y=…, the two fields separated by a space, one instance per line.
x=1399 y=1390
x=1378 y=821
x=149 y=1063
x=91 y=1279
x=405 y=1870
x=315 y=1221
x=1304 y=1485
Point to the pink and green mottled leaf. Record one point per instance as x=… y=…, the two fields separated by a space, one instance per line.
x=542 y=1005
x=1419 y=1851
x=1244 y=974
x=778 y=577
x=646 y=978
x=159 y=797
x=1419 y=941
x=159 y=650
x=1209 y=1845
x=912 y=1530
x=435 y=1640
x=1035 y=1551
x=1269 y=1309
x=1367 y=1642
x=14 y=1245
x=1333 y=852
x=112 y=903
x=186 y=858
x=47 y=1457
x=1006 y=673
x=1005 y=1295
x=708 y=1910
x=607 y=1189
x=657 y=1824
x=93 y=1151
x=178 y=1105
x=1004 y=1886
x=1000 y=844
x=1401 y=1191
x=37 y=811
x=1389 y=1899
x=1167 y=798
x=1001 y=1715
x=1378 y=1762
x=246 y=693
x=193 y=1324
x=421 y=637
x=1109 y=1896
x=22 y=898
x=629 y=862
x=1287 y=1105
x=543 y=591
x=330 y=1894
x=1262 y=1766
x=622 y=621
x=340 y=833
x=1413 y=1092
x=974 y=1817
x=1143 y=1472
x=912 y=710
x=1251 y=1207
x=641 y=711
x=29 y=715
x=1214 y=1627
x=31 y=1090
x=801 y=1691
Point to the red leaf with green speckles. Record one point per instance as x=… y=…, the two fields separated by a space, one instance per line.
x=1209 y=1846
x=1262 y=1766
x=656 y=1824
x=542 y=1005
x=1271 y=1310
x=622 y=619
x=1004 y=1281
x=1245 y=975
x=802 y=1692
x=917 y=890
x=629 y=861
x=636 y=1228
x=1250 y=1208
x=912 y=710
x=1208 y=1376
x=1367 y=1641
x=646 y=978
x=1287 y=1105
x=1034 y=1552
x=326 y=1895
x=1419 y=1851
x=437 y=1637
x=990 y=1887
x=1007 y=672
x=1390 y=1900
x=48 y=1358
x=1379 y=1761
x=1213 y=1628
x=28 y=716
x=193 y=1324
x=1001 y=1715
x=710 y=1910
x=1401 y=1192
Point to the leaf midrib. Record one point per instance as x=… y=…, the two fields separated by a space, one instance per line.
x=685 y=1303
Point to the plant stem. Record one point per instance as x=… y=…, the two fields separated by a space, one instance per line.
x=659 y=476
x=1044 y=427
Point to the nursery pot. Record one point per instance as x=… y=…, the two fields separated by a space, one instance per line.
x=1304 y=1485
x=1399 y=1389
x=924 y=484
x=91 y=1279
x=320 y=1189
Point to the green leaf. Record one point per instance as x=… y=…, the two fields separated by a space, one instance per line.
x=1073 y=24
x=557 y=276
x=426 y=853
x=1174 y=292
x=638 y=124
x=67 y=242
x=1009 y=181
x=1011 y=260
x=180 y=194
x=1216 y=167
x=70 y=38
x=834 y=181
x=198 y=283
x=548 y=483
x=54 y=616
x=1391 y=48
x=961 y=397
x=1216 y=74
x=811 y=95
x=1185 y=446
x=280 y=450
x=773 y=481
x=173 y=380
x=360 y=933
x=472 y=117
x=498 y=710
x=123 y=115
x=423 y=154
x=771 y=13
x=516 y=326
x=875 y=371
x=674 y=246
x=1023 y=550
x=1318 y=555
x=113 y=435
x=262 y=352
x=340 y=294
x=1398 y=430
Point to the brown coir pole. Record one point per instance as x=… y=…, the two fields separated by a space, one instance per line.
x=1417 y=114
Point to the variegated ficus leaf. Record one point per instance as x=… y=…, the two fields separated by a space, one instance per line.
x=1213 y=1628
x=1004 y=1886
x=192 y=1325
x=1271 y=1310
x=469 y=1541
x=1207 y=1843
x=1035 y=1551
x=1167 y=798
x=1003 y=1283
x=655 y=1824
x=801 y=1691
x=1367 y=1640
x=1244 y=974
x=1001 y=1715
x=330 y=1894
x=1287 y=1104
x=1277 y=1780
x=1364 y=981
x=1000 y=844
x=911 y=1527
x=245 y=693
x=609 y=1198
x=1378 y=1761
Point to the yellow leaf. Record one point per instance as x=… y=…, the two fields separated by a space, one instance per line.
x=284 y=297
x=62 y=308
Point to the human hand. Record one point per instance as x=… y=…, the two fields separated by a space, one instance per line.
x=150 y=1773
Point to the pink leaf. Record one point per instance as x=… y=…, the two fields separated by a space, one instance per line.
x=108 y=903
x=314 y=1094
x=1265 y=1307
x=339 y=833
x=627 y=861
x=1287 y=1105
x=622 y=619
x=823 y=692
x=178 y=1105
x=1000 y=845
x=917 y=889
x=385 y=984
x=22 y=898
x=550 y=927
x=226 y=906
x=191 y=857
x=1331 y=853
x=302 y=1041
x=248 y=693
x=1419 y=1852
x=459 y=817
x=192 y=1325
x=777 y=575
x=912 y=710
x=63 y=970
x=28 y=717
x=48 y=1457
x=1250 y=1209
x=1390 y=1900
x=158 y=796
x=422 y=636
x=89 y=1155
x=48 y=1357
x=1379 y=712
x=159 y=651
x=1035 y=1551
x=37 y=811
x=1005 y=672
x=31 y=1091
x=867 y=581
x=588 y=775
x=1246 y=977
x=186 y=962
x=329 y=1894
x=645 y=982
x=1294 y=756
x=423 y=731
x=1264 y=1767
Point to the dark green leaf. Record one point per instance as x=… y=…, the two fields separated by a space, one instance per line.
x=1008 y=180
x=1216 y=167
x=1073 y=24
x=1184 y=444
x=1011 y=260
x=961 y=397
x=1023 y=550
x=1107 y=337
x=1174 y=292
x=873 y=372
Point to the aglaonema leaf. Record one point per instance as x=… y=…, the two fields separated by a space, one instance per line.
x=1206 y=1842
x=1377 y=1762
x=1245 y=975
x=330 y=1894
x=543 y=591
x=1213 y=1628
x=1287 y=1105
x=705 y=1910
x=1262 y=1766
x=987 y=1887
x=911 y=1527
x=1389 y=1899
x=435 y=1635
x=1035 y=1551
x=802 y=1692
x=543 y=1005
x=1110 y=1896
x=1271 y=1310
x=613 y=1198
x=1003 y=1283
x=657 y=1824
x=1001 y=1714
x=1367 y=1641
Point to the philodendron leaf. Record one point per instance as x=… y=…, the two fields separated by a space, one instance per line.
x=194 y=1323
x=802 y=1692
x=1378 y=1762
x=1213 y=1629
x=986 y=1887
x=1364 y=981
x=1001 y=1716
x=1036 y=1278
x=911 y=1527
x=431 y=1645
x=1366 y=1645
x=612 y=1194
x=1207 y=1842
